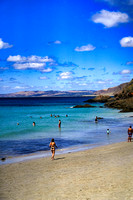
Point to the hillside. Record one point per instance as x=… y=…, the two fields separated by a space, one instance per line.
x=122 y=99
x=111 y=91
x=51 y=93
x=124 y=88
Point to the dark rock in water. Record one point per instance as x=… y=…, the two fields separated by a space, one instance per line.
x=126 y=110
x=3 y=159
x=125 y=105
x=84 y=106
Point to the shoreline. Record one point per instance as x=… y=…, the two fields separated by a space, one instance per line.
x=44 y=154
x=103 y=173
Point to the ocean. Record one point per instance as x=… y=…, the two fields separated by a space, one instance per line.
x=78 y=129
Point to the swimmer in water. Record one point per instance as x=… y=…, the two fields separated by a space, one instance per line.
x=33 y=123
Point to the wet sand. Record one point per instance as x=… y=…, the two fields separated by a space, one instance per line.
x=102 y=173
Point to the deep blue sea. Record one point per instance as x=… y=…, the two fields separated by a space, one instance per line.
x=77 y=130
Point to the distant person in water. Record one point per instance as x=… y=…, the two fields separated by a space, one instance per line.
x=53 y=146
x=130 y=131
x=96 y=119
x=34 y=124
x=66 y=115
x=59 y=123
x=108 y=131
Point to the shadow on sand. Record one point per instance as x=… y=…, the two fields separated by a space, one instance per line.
x=59 y=158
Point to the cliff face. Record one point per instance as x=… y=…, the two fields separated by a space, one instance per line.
x=123 y=100
x=126 y=92
x=111 y=91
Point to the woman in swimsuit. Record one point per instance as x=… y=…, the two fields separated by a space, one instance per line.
x=130 y=131
x=52 y=145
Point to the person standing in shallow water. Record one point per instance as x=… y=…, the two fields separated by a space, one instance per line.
x=96 y=119
x=108 y=131
x=59 y=123
x=53 y=146
x=130 y=131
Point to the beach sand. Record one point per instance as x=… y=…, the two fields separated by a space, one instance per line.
x=102 y=173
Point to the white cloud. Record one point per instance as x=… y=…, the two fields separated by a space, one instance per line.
x=32 y=58
x=127 y=42
x=88 y=47
x=126 y=71
x=31 y=62
x=17 y=58
x=57 y=42
x=39 y=59
x=20 y=87
x=83 y=84
x=65 y=75
x=43 y=78
x=23 y=66
x=129 y=63
x=110 y=19
x=4 y=45
x=46 y=70
x=101 y=82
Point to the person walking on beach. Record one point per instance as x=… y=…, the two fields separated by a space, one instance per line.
x=52 y=145
x=130 y=131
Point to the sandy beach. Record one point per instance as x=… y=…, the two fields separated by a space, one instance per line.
x=102 y=173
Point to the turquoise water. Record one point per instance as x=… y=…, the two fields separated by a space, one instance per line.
x=78 y=129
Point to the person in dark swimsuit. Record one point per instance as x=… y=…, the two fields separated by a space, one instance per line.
x=130 y=131
x=53 y=146
x=96 y=120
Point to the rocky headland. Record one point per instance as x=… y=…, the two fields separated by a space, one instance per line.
x=122 y=100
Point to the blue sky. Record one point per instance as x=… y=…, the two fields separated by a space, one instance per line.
x=65 y=44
